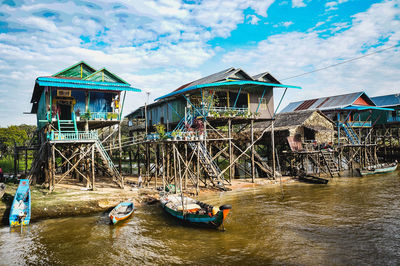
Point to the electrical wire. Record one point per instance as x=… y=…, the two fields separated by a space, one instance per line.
x=341 y=63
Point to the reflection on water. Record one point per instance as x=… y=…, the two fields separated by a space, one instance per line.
x=348 y=221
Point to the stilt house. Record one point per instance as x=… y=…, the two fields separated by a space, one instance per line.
x=230 y=93
x=78 y=99
x=70 y=107
x=210 y=119
x=349 y=112
x=391 y=101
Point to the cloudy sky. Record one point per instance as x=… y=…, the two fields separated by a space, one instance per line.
x=159 y=45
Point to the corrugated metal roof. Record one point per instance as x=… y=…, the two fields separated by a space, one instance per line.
x=229 y=73
x=325 y=103
x=87 y=82
x=85 y=86
x=266 y=77
x=387 y=100
x=227 y=83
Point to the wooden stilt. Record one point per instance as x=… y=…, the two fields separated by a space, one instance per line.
x=253 y=171
x=231 y=169
x=93 y=173
x=273 y=150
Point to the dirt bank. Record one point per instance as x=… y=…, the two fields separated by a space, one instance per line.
x=72 y=200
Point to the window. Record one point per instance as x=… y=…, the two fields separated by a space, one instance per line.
x=263 y=104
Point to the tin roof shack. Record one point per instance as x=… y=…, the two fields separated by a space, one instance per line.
x=387 y=128
x=350 y=112
x=302 y=138
x=70 y=106
x=309 y=126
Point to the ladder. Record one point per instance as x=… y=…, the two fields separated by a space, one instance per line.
x=112 y=170
x=330 y=163
x=210 y=167
x=351 y=135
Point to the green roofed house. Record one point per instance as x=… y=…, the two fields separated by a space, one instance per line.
x=71 y=106
x=78 y=98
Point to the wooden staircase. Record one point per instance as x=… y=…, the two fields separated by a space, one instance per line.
x=330 y=163
x=111 y=169
x=210 y=167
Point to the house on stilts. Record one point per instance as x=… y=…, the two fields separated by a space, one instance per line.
x=72 y=108
x=196 y=132
x=352 y=115
x=387 y=127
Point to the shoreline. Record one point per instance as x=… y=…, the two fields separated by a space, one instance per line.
x=73 y=200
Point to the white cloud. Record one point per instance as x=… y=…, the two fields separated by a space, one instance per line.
x=253 y=19
x=286 y=55
x=333 y=5
x=148 y=43
x=298 y=3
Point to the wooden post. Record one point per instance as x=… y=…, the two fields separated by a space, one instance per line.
x=163 y=165
x=26 y=161
x=147 y=164
x=120 y=148
x=230 y=150
x=15 y=160
x=174 y=151
x=273 y=148
x=156 y=163
x=138 y=159
x=53 y=176
x=130 y=162
x=198 y=168
x=168 y=164
x=93 y=174
x=253 y=172
x=186 y=159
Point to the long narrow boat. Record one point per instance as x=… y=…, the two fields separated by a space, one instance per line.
x=20 y=213
x=378 y=169
x=313 y=179
x=121 y=212
x=195 y=212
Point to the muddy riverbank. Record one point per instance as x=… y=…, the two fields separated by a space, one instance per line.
x=71 y=200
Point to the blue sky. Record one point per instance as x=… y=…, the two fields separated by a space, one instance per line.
x=159 y=45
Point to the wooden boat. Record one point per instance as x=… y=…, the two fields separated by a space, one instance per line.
x=378 y=169
x=195 y=212
x=20 y=213
x=313 y=179
x=2 y=190
x=121 y=212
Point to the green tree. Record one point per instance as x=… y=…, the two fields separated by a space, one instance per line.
x=19 y=135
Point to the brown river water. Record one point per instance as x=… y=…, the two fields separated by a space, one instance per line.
x=350 y=221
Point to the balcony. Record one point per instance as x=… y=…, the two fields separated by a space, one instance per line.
x=392 y=119
x=72 y=135
x=359 y=123
x=228 y=111
x=89 y=116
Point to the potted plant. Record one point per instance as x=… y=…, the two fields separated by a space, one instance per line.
x=160 y=128
x=112 y=116
x=87 y=115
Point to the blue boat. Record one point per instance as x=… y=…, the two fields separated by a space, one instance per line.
x=121 y=212
x=20 y=213
x=194 y=212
